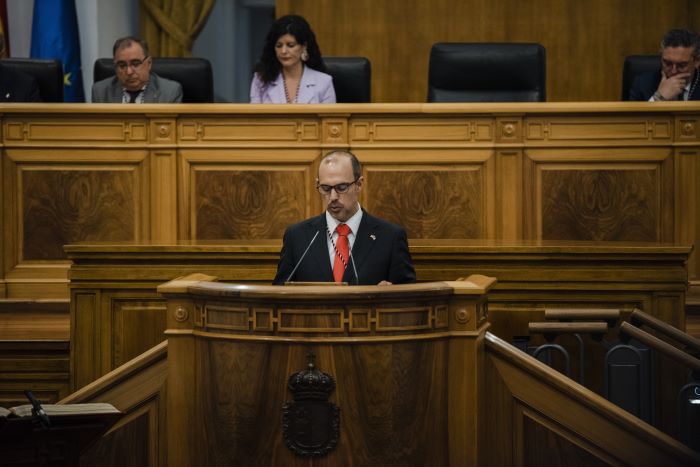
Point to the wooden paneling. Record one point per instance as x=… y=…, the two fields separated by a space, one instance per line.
x=62 y=207
x=41 y=366
x=443 y=203
x=539 y=417
x=137 y=389
x=545 y=443
x=600 y=205
x=393 y=383
x=241 y=204
x=165 y=174
x=586 y=42
x=34 y=350
x=531 y=275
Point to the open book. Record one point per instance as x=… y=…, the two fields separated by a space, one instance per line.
x=59 y=410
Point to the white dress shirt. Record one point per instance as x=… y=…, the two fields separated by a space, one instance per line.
x=332 y=223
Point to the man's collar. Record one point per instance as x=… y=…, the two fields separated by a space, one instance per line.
x=353 y=222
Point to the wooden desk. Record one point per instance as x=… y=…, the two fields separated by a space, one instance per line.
x=164 y=173
x=117 y=314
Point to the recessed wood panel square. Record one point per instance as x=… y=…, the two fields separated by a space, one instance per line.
x=600 y=205
x=542 y=445
x=138 y=326
x=428 y=203
x=69 y=206
x=247 y=204
x=227 y=317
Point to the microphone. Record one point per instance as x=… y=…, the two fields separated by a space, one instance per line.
x=38 y=410
x=302 y=257
x=352 y=261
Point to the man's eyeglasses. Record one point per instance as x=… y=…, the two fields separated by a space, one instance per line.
x=680 y=66
x=340 y=188
x=131 y=63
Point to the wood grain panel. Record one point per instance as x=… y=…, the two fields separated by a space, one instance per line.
x=428 y=202
x=124 y=447
x=586 y=42
x=85 y=326
x=69 y=206
x=542 y=445
x=384 y=406
x=75 y=131
x=138 y=326
x=600 y=205
x=42 y=366
x=250 y=204
x=249 y=130
x=548 y=415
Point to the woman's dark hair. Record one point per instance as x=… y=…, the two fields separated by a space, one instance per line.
x=268 y=67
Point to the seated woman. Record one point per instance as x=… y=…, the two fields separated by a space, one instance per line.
x=290 y=69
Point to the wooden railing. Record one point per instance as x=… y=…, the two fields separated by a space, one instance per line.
x=638 y=317
x=536 y=414
x=136 y=388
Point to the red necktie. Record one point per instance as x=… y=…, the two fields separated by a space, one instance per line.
x=342 y=252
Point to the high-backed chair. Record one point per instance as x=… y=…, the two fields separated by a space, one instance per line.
x=352 y=78
x=635 y=65
x=194 y=74
x=487 y=72
x=47 y=73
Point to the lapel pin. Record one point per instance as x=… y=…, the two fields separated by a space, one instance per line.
x=372 y=236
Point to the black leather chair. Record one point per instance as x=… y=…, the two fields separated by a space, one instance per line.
x=47 y=73
x=487 y=72
x=194 y=74
x=352 y=78
x=635 y=65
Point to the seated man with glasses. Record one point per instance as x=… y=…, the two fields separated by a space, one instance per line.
x=345 y=243
x=134 y=83
x=678 y=80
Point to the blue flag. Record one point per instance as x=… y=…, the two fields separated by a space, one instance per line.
x=55 y=36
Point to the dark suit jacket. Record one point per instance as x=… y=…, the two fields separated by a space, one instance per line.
x=159 y=91
x=380 y=252
x=645 y=85
x=16 y=86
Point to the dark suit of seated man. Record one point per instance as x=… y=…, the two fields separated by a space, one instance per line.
x=678 y=80
x=313 y=251
x=133 y=82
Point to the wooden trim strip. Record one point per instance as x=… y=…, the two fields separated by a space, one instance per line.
x=639 y=317
x=657 y=344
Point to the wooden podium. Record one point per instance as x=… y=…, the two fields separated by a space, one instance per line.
x=405 y=360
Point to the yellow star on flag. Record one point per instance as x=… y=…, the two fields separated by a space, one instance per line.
x=66 y=79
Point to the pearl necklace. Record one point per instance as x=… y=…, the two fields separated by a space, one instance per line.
x=286 y=92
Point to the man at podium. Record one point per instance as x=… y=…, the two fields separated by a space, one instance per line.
x=345 y=243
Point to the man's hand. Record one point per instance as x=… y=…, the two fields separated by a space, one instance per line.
x=670 y=88
x=384 y=283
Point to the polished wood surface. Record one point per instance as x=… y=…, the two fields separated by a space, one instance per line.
x=621 y=172
x=537 y=416
x=404 y=359
x=137 y=389
x=471 y=398
x=34 y=350
x=531 y=276
x=586 y=42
